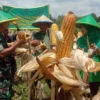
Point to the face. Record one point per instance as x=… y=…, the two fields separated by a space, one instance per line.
x=83 y=30
x=5 y=32
x=3 y=26
x=43 y=27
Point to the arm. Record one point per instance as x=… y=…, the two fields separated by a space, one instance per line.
x=9 y=50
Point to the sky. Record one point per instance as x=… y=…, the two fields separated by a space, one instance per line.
x=59 y=7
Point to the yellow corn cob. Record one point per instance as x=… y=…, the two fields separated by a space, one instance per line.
x=68 y=26
x=54 y=29
x=21 y=35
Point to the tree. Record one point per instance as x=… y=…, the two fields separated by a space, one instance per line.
x=53 y=19
x=59 y=20
x=94 y=15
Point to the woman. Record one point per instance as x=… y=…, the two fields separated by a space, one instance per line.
x=6 y=59
x=91 y=35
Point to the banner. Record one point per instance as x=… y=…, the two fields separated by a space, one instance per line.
x=26 y=16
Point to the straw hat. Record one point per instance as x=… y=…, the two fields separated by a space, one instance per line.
x=42 y=19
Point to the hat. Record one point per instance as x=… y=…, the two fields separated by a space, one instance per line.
x=5 y=17
x=88 y=20
x=42 y=19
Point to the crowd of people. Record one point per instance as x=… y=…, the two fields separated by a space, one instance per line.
x=90 y=39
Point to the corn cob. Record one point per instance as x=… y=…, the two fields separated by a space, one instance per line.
x=60 y=76
x=54 y=29
x=66 y=87
x=21 y=35
x=68 y=26
x=45 y=70
x=32 y=65
x=77 y=93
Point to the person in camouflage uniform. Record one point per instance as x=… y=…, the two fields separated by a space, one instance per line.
x=6 y=59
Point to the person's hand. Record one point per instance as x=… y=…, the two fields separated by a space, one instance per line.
x=96 y=49
x=43 y=46
x=93 y=46
x=75 y=40
x=92 y=50
x=35 y=42
x=21 y=42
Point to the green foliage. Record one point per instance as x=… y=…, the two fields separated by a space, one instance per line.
x=58 y=20
x=21 y=92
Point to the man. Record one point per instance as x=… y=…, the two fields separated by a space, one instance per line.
x=5 y=58
x=9 y=40
x=43 y=23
